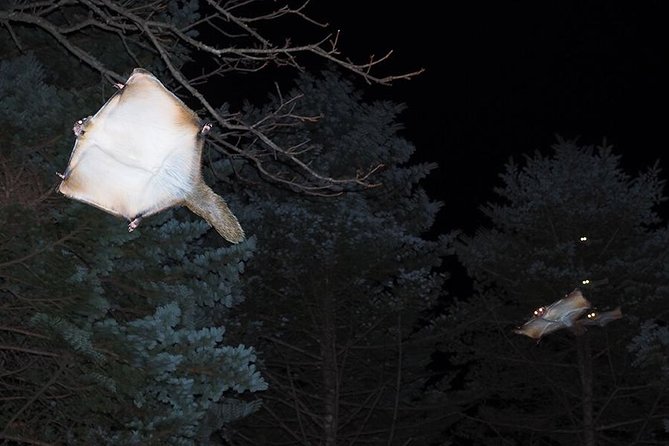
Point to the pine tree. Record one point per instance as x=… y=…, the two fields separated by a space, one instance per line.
x=110 y=337
x=120 y=336
x=343 y=283
x=571 y=219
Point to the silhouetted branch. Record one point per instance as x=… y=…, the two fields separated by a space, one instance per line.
x=230 y=38
x=21 y=439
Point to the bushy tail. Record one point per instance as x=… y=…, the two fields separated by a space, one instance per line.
x=207 y=204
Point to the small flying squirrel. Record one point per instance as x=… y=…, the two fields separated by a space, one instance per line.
x=560 y=314
x=566 y=313
x=141 y=153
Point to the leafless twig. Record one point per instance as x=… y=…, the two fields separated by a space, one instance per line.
x=231 y=38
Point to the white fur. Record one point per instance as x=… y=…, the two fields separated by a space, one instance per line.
x=139 y=153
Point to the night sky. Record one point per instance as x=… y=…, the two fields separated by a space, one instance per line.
x=503 y=78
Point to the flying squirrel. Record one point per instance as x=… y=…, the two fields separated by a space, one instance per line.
x=141 y=153
x=566 y=313
x=560 y=314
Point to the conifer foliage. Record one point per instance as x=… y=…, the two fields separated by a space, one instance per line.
x=343 y=282
x=107 y=337
x=116 y=338
x=567 y=220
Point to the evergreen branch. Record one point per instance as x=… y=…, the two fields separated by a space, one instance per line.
x=37 y=394
x=614 y=395
x=32 y=351
x=277 y=381
x=369 y=403
x=613 y=426
x=37 y=252
x=286 y=428
x=25 y=440
x=23 y=331
x=649 y=416
x=398 y=380
x=296 y=402
x=292 y=347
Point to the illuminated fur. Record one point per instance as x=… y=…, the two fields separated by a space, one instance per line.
x=141 y=154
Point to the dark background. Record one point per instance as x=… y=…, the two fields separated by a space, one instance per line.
x=503 y=78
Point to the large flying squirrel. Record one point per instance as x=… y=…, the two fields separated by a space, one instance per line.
x=140 y=154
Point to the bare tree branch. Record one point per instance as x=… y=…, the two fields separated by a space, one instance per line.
x=230 y=38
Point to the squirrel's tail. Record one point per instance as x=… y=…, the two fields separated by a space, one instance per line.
x=207 y=204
